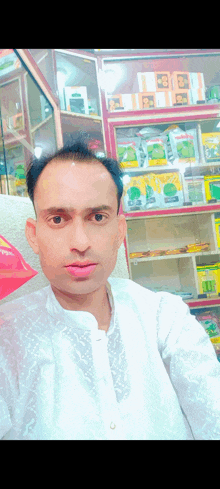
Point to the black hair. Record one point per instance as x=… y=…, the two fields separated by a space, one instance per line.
x=80 y=152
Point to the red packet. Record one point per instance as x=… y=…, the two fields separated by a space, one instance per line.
x=14 y=271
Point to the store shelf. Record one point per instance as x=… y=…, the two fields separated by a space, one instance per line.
x=200 y=303
x=168 y=257
x=173 y=211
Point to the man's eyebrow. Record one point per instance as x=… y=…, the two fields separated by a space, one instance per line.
x=52 y=210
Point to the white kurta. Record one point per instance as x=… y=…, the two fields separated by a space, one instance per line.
x=153 y=376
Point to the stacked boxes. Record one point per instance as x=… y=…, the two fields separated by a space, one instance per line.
x=161 y=89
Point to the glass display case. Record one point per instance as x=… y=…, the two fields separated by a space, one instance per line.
x=79 y=97
x=161 y=117
x=27 y=122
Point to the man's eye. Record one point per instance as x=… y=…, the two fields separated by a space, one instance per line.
x=56 y=219
x=99 y=217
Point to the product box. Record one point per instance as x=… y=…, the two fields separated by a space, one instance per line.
x=212 y=187
x=209 y=279
x=196 y=95
x=217 y=229
x=211 y=145
x=134 y=194
x=147 y=81
x=180 y=97
x=147 y=100
x=76 y=99
x=124 y=101
x=194 y=190
x=163 y=99
x=197 y=80
x=163 y=81
x=181 y=80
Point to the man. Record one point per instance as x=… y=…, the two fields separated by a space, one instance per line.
x=90 y=356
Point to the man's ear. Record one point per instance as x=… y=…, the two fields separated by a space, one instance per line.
x=122 y=229
x=30 y=233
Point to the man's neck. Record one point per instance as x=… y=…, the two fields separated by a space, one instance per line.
x=97 y=304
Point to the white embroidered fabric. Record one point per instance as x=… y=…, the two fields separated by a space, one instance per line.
x=153 y=376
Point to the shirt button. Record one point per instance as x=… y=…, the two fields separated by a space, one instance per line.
x=112 y=425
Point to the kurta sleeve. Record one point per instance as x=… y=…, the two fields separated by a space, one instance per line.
x=5 y=418
x=191 y=361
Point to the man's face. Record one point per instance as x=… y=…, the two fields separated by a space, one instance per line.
x=77 y=233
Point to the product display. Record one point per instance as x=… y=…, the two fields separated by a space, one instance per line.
x=194 y=190
x=180 y=97
x=184 y=145
x=209 y=279
x=163 y=190
x=212 y=187
x=217 y=229
x=76 y=99
x=147 y=100
x=128 y=152
x=191 y=248
x=211 y=145
x=14 y=271
x=134 y=194
x=210 y=321
x=181 y=80
x=156 y=151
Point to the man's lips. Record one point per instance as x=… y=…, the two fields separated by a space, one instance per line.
x=81 y=264
x=81 y=271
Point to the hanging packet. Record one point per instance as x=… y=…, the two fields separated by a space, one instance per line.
x=129 y=152
x=184 y=146
x=14 y=271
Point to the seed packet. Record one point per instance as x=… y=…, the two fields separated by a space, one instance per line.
x=134 y=194
x=156 y=151
x=163 y=190
x=184 y=146
x=128 y=152
x=210 y=322
x=14 y=271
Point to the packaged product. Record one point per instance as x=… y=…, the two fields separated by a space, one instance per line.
x=181 y=80
x=209 y=279
x=156 y=151
x=180 y=97
x=163 y=190
x=212 y=187
x=14 y=271
x=197 y=81
x=128 y=152
x=217 y=229
x=147 y=100
x=211 y=145
x=146 y=81
x=76 y=99
x=134 y=194
x=210 y=322
x=163 y=81
x=194 y=190
x=184 y=145
x=163 y=99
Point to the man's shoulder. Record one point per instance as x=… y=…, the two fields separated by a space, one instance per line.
x=23 y=305
x=123 y=287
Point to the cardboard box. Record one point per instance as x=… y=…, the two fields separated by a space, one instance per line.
x=196 y=95
x=181 y=80
x=163 y=99
x=180 y=97
x=124 y=101
x=76 y=99
x=163 y=81
x=147 y=100
x=147 y=81
x=197 y=80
